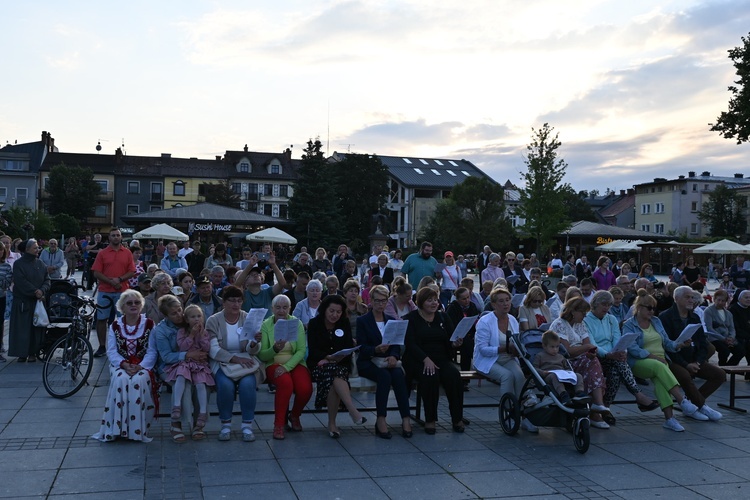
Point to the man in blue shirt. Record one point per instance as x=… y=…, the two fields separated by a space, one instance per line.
x=418 y=265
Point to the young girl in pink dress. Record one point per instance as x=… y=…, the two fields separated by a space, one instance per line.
x=193 y=337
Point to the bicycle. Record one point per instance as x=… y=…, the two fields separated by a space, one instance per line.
x=68 y=363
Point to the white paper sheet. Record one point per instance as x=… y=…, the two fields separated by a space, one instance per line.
x=395 y=331
x=252 y=323
x=626 y=340
x=463 y=327
x=285 y=330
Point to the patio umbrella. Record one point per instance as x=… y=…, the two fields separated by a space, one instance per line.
x=724 y=247
x=161 y=232
x=272 y=235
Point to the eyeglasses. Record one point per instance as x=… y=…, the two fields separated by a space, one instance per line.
x=649 y=308
x=379 y=301
x=133 y=303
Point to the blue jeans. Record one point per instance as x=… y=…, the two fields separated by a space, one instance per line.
x=225 y=388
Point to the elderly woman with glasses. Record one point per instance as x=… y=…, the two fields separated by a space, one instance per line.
x=648 y=358
x=604 y=332
x=131 y=349
x=534 y=311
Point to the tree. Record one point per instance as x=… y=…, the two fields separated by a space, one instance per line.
x=361 y=187
x=575 y=204
x=723 y=213
x=471 y=217
x=735 y=123
x=66 y=224
x=313 y=207
x=72 y=190
x=25 y=223
x=542 y=198
x=221 y=193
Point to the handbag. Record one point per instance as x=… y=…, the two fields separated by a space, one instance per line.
x=236 y=371
x=40 y=315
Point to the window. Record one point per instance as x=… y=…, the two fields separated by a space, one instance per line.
x=267 y=209
x=705 y=187
x=132 y=209
x=275 y=168
x=424 y=162
x=14 y=165
x=659 y=208
x=659 y=189
x=179 y=188
x=407 y=161
x=252 y=206
x=439 y=162
x=695 y=187
x=156 y=191
x=451 y=172
x=267 y=189
x=645 y=209
x=283 y=211
x=154 y=207
x=244 y=167
x=646 y=227
x=467 y=174
x=694 y=228
x=134 y=187
x=434 y=171
x=3 y=193
x=252 y=191
x=236 y=187
x=659 y=228
x=177 y=205
x=418 y=170
x=694 y=206
x=101 y=211
x=453 y=163
x=103 y=186
x=284 y=191
x=22 y=195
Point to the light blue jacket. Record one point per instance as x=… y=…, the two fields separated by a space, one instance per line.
x=166 y=343
x=603 y=333
x=636 y=350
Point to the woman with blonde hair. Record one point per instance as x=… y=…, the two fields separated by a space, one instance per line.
x=534 y=312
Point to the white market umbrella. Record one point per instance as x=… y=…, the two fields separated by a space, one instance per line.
x=724 y=247
x=161 y=232
x=272 y=235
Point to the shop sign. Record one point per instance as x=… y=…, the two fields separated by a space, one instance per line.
x=210 y=226
x=601 y=240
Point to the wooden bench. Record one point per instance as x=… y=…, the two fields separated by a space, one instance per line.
x=465 y=377
x=733 y=371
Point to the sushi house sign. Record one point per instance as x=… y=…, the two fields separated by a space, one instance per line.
x=208 y=226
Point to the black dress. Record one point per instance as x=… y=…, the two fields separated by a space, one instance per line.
x=432 y=340
x=323 y=342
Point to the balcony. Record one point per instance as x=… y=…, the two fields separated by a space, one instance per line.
x=106 y=196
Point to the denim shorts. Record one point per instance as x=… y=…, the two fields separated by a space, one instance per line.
x=106 y=306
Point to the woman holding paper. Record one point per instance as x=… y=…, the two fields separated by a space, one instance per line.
x=380 y=363
x=575 y=337
x=647 y=358
x=494 y=356
x=228 y=343
x=604 y=333
x=534 y=311
x=329 y=333
x=457 y=310
x=286 y=368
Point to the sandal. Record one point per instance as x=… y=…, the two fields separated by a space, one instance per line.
x=198 y=433
x=176 y=431
x=176 y=413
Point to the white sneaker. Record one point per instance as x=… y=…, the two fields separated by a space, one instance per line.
x=710 y=413
x=690 y=410
x=673 y=425
x=599 y=424
x=529 y=427
x=225 y=434
x=247 y=435
x=599 y=408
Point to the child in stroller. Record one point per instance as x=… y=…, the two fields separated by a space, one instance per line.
x=550 y=364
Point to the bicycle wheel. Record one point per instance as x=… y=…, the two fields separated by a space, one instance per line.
x=67 y=366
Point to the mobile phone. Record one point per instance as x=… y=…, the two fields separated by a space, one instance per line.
x=262 y=255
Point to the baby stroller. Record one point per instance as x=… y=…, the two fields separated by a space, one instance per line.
x=543 y=409
x=61 y=310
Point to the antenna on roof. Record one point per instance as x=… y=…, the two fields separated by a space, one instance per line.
x=328 y=129
x=349 y=147
x=123 y=145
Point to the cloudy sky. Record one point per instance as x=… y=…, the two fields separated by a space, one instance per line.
x=629 y=86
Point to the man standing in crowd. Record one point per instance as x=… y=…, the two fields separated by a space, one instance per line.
x=185 y=250
x=172 y=263
x=195 y=259
x=54 y=259
x=93 y=249
x=418 y=265
x=113 y=267
x=483 y=259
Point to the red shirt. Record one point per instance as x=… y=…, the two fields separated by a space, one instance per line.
x=114 y=264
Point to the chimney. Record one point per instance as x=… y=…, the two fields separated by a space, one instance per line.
x=44 y=136
x=218 y=157
x=739 y=176
x=51 y=144
x=245 y=149
x=622 y=192
x=691 y=174
x=166 y=155
x=706 y=174
x=681 y=177
x=118 y=156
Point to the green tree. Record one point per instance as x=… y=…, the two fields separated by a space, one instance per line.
x=361 y=187
x=735 y=123
x=542 y=199
x=472 y=216
x=72 y=190
x=23 y=222
x=66 y=224
x=313 y=207
x=575 y=204
x=221 y=193
x=723 y=213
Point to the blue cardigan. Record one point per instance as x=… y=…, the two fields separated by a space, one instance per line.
x=636 y=350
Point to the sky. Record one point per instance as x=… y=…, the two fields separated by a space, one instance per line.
x=629 y=86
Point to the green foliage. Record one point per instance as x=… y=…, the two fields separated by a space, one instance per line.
x=221 y=193
x=361 y=185
x=575 y=204
x=735 y=123
x=543 y=197
x=67 y=225
x=72 y=191
x=473 y=216
x=313 y=207
x=723 y=213
x=23 y=222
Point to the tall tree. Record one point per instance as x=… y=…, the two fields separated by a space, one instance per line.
x=313 y=207
x=471 y=217
x=575 y=204
x=23 y=222
x=735 y=123
x=542 y=198
x=361 y=185
x=723 y=213
x=72 y=190
x=221 y=193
